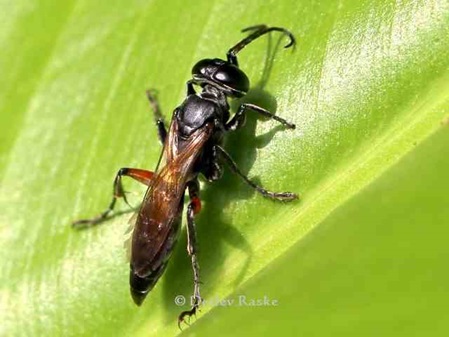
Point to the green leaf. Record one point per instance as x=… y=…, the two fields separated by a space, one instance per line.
x=377 y=266
x=367 y=82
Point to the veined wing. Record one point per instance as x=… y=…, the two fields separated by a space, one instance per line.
x=159 y=216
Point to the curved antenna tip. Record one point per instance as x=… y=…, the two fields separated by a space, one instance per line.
x=255 y=27
x=279 y=29
x=292 y=38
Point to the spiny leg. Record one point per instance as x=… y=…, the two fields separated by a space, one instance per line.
x=282 y=196
x=257 y=31
x=142 y=176
x=193 y=208
x=161 y=129
x=239 y=118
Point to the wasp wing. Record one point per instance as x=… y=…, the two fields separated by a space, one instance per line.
x=159 y=218
x=128 y=235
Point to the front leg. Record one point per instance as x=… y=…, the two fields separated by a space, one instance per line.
x=190 y=88
x=157 y=114
x=193 y=208
x=239 y=118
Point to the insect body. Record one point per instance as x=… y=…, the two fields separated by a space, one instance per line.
x=192 y=145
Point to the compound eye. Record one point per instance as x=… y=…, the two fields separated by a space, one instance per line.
x=207 y=68
x=201 y=67
x=232 y=77
x=223 y=77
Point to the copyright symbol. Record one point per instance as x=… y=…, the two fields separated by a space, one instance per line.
x=180 y=300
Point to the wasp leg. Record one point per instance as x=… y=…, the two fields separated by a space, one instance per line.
x=161 y=129
x=142 y=176
x=257 y=31
x=211 y=169
x=239 y=118
x=193 y=208
x=282 y=196
x=190 y=88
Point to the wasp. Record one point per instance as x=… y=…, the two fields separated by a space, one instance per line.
x=192 y=145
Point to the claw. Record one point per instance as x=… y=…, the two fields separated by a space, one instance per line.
x=126 y=200
x=187 y=313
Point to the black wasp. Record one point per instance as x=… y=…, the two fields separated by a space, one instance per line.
x=192 y=145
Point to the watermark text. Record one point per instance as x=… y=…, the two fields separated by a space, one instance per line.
x=236 y=301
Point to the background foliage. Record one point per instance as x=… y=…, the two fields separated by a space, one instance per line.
x=366 y=85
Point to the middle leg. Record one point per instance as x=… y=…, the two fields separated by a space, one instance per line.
x=160 y=124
